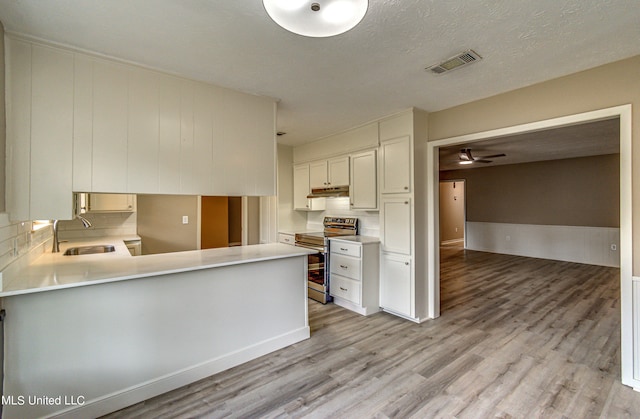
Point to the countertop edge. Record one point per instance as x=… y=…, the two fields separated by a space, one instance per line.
x=285 y=251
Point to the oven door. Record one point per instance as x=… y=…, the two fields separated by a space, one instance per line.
x=317 y=274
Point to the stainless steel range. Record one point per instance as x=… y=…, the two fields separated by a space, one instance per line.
x=318 y=278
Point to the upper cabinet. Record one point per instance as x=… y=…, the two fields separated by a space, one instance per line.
x=396 y=167
x=39 y=131
x=363 y=190
x=328 y=173
x=87 y=124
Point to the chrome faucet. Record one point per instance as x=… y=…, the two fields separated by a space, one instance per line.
x=56 y=242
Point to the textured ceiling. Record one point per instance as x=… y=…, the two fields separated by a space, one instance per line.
x=330 y=84
x=583 y=140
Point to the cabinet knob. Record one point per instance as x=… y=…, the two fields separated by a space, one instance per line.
x=406 y=188
x=406 y=263
x=406 y=202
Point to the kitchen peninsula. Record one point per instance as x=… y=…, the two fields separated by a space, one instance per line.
x=108 y=330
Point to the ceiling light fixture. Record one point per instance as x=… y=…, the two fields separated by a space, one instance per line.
x=317 y=19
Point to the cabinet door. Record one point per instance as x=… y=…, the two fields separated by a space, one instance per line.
x=396 y=225
x=51 y=134
x=363 y=189
x=110 y=113
x=338 y=170
x=318 y=174
x=396 y=165
x=143 y=132
x=300 y=186
x=395 y=284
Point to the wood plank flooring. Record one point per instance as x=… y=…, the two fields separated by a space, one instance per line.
x=517 y=338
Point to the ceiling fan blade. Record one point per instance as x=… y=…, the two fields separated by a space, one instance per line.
x=492 y=156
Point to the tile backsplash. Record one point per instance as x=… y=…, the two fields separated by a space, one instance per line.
x=102 y=224
x=17 y=240
x=368 y=221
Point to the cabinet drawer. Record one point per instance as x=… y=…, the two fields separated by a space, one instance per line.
x=345 y=288
x=345 y=266
x=344 y=248
x=286 y=238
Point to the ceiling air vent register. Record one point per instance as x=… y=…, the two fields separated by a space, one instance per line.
x=460 y=60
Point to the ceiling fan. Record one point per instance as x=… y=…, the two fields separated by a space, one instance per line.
x=466 y=157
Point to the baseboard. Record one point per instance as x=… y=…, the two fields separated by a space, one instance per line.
x=364 y=311
x=143 y=391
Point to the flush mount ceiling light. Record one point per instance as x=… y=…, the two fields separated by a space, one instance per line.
x=318 y=19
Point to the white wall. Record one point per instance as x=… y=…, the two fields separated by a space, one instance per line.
x=590 y=245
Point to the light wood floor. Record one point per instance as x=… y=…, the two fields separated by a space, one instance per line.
x=517 y=338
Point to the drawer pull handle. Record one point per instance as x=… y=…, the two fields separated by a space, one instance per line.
x=344 y=250
x=344 y=289
x=344 y=266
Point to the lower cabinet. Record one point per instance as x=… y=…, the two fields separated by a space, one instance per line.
x=354 y=273
x=395 y=285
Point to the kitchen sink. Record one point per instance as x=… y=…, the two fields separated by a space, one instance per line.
x=89 y=250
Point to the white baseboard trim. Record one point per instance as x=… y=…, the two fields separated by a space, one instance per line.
x=589 y=245
x=364 y=311
x=143 y=391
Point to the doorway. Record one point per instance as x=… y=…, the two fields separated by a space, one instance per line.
x=452 y=213
x=624 y=116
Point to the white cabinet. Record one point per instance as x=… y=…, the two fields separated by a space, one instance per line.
x=39 y=131
x=301 y=187
x=328 y=173
x=110 y=105
x=354 y=274
x=301 y=175
x=395 y=289
x=396 y=224
x=363 y=189
x=83 y=123
x=403 y=291
x=287 y=238
x=396 y=165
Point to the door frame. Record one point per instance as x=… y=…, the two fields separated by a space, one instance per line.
x=624 y=114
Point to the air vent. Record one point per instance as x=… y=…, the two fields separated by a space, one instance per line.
x=460 y=60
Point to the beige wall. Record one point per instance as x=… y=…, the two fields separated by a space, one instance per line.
x=602 y=87
x=571 y=192
x=160 y=223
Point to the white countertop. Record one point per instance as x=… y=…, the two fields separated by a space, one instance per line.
x=357 y=239
x=52 y=271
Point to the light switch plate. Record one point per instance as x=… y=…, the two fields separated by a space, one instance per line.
x=185 y=219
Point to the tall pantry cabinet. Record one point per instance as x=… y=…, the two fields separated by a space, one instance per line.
x=402 y=291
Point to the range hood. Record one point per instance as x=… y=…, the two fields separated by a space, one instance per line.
x=330 y=192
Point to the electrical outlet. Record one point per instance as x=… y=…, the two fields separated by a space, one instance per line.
x=614 y=247
x=185 y=219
